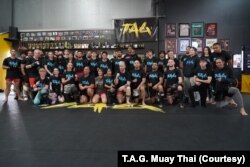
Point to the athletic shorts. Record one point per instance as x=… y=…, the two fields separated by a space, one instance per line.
x=15 y=80
x=32 y=81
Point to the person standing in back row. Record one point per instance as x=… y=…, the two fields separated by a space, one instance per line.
x=189 y=65
x=219 y=53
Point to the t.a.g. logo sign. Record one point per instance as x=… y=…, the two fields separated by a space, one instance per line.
x=132 y=30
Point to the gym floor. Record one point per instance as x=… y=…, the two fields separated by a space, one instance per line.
x=64 y=136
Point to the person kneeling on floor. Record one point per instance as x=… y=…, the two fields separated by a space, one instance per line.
x=202 y=79
x=173 y=84
x=224 y=92
x=40 y=88
x=86 y=86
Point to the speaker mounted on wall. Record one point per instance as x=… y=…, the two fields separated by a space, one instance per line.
x=13 y=34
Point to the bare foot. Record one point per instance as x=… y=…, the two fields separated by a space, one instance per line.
x=233 y=104
x=243 y=112
x=129 y=104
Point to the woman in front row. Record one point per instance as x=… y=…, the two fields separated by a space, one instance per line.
x=56 y=88
x=100 y=94
x=225 y=92
x=109 y=87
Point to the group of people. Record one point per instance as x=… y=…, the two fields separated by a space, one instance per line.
x=63 y=76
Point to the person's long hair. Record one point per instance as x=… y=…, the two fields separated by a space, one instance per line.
x=209 y=51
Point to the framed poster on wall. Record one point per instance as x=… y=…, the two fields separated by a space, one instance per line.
x=197 y=43
x=171 y=44
x=210 y=42
x=211 y=29
x=197 y=29
x=183 y=44
x=170 y=30
x=225 y=44
x=184 y=30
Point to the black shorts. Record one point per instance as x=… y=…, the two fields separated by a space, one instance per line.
x=171 y=89
x=84 y=93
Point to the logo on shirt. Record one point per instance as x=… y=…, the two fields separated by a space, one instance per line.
x=149 y=63
x=136 y=75
x=84 y=82
x=79 y=64
x=220 y=75
x=109 y=81
x=56 y=82
x=50 y=64
x=13 y=64
x=131 y=62
x=93 y=64
x=190 y=62
x=103 y=66
x=171 y=76
x=122 y=78
x=69 y=76
x=202 y=75
x=152 y=76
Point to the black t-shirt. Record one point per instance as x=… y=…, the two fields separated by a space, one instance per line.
x=56 y=83
x=148 y=63
x=203 y=74
x=223 y=54
x=42 y=82
x=129 y=60
x=104 y=65
x=183 y=57
x=115 y=64
x=189 y=65
x=23 y=62
x=123 y=78
x=226 y=75
x=162 y=63
x=172 y=76
x=51 y=64
x=36 y=64
x=69 y=75
x=80 y=64
x=61 y=64
x=154 y=77
x=138 y=75
x=86 y=81
x=93 y=64
x=108 y=80
x=61 y=68
x=14 y=70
